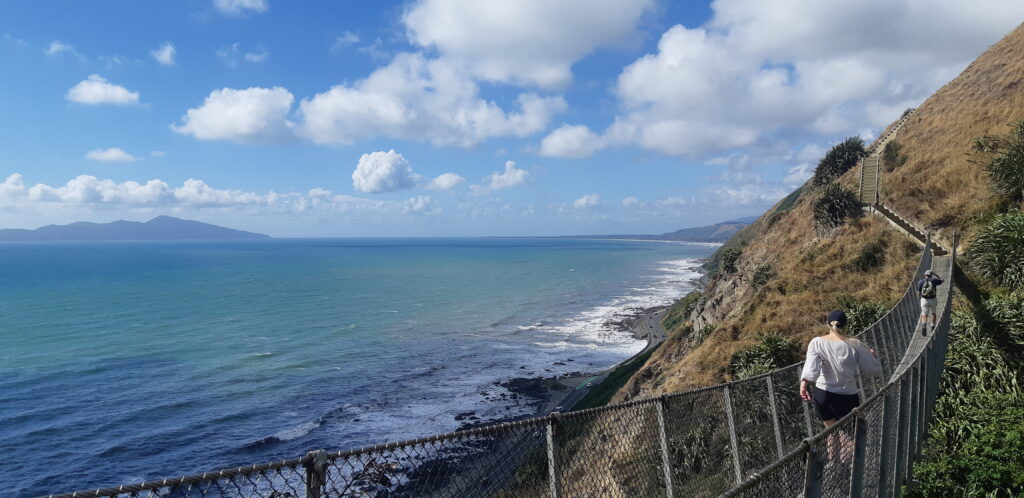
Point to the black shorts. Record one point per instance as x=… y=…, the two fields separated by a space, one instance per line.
x=833 y=406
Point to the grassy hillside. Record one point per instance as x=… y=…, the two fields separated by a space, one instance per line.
x=774 y=281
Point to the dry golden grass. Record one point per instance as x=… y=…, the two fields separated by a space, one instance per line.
x=938 y=186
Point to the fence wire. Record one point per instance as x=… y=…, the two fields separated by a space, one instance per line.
x=754 y=437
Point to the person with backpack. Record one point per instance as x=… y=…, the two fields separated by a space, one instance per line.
x=927 y=290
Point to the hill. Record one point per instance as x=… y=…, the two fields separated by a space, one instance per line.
x=159 y=228
x=777 y=277
x=718 y=232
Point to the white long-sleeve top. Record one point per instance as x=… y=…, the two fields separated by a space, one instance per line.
x=833 y=365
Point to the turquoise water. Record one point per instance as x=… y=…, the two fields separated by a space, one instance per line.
x=129 y=361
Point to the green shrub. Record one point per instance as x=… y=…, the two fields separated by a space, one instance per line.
x=762 y=274
x=771 y=352
x=892 y=156
x=997 y=253
x=976 y=441
x=872 y=256
x=680 y=311
x=861 y=314
x=835 y=205
x=729 y=257
x=1008 y=314
x=1005 y=162
x=838 y=160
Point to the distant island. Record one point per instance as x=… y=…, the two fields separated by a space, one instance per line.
x=719 y=232
x=159 y=228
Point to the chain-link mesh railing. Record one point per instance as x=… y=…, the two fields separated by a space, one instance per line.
x=752 y=437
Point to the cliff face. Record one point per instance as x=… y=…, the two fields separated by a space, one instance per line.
x=802 y=276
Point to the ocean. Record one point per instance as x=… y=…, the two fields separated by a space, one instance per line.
x=121 y=362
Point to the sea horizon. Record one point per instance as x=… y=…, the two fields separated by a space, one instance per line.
x=168 y=357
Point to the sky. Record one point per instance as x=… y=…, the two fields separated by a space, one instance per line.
x=453 y=117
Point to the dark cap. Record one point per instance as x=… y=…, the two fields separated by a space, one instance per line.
x=836 y=316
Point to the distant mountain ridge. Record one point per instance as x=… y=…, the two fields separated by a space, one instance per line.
x=719 y=232
x=159 y=228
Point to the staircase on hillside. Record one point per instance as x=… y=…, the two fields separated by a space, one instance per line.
x=870 y=173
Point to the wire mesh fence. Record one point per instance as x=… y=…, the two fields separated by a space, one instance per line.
x=753 y=437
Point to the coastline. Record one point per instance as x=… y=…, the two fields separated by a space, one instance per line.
x=561 y=393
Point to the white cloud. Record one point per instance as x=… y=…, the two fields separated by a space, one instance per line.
x=57 y=47
x=799 y=68
x=531 y=42
x=165 y=54
x=510 y=177
x=157 y=153
x=346 y=39
x=587 y=201
x=87 y=194
x=445 y=181
x=417 y=98
x=233 y=54
x=253 y=115
x=798 y=174
x=570 y=142
x=111 y=154
x=241 y=7
x=96 y=90
x=630 y=201
x=748 y=194
x=383 y=172
x=256 y=56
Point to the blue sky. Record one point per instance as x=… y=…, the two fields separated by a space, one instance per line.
x=453 y=117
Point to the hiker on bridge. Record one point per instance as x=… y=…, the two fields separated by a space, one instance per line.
x=833 y=362
x=927 y=290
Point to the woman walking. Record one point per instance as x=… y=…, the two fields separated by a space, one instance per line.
x=830 y=371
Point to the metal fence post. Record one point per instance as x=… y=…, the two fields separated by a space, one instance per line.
x=902 y=438
x=860 y=437
x=727 y=392
x=554 y=482
x=775 y=416
x=884 y=463
x=915 y=411
x=813 y=474
x=666 y=460
x=316 y=473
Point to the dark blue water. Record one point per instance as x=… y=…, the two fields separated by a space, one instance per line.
x=121 y=362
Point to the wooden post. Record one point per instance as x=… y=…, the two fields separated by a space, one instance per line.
x=316 y=473
x=860 y=437
x=775 y=416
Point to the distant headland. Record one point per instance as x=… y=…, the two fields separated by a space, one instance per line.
x=719 y=232
x=159 y=228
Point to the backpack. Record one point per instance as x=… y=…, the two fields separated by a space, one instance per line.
x=928 y=289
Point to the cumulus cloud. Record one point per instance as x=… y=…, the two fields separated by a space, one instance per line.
x=86 y=193
x=96 y=90
x=418 y=98
x=383 y=172
x=570 y=141
x=510 y=177
x=587 y=201
x=111 y=154
x=796 y=66
x=630 y=201
x=165 y=54
x=445 y=181
x=529 y=42
x=241 y=7
x=253 y=115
